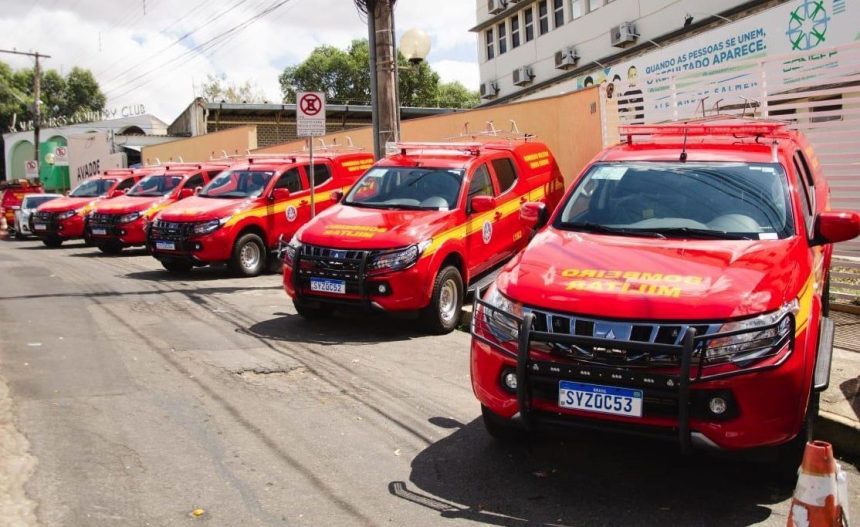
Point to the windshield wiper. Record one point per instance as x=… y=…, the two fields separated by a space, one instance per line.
x=386 y=206
x=605 y=229
x=707 y=234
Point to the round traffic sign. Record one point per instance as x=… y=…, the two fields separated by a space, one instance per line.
x=310 y=104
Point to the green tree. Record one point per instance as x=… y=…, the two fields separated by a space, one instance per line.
x=216 y=89
x=344 y=76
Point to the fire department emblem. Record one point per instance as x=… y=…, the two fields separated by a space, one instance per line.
x=291 y=213
x=487 y=232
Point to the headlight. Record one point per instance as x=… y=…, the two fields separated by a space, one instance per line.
x=760 y=337
x=503 y=328
x=128 y=218
x=66 y=215
x=209 y=226
x=291 y=250
x=397 y=260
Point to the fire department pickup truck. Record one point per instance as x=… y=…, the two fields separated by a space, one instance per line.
x=11 y=196
x=680 y=290
x=121 y=222
x=241 y=215
x=419 y=228
x=63 y=219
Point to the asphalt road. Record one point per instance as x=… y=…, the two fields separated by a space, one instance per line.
x=139 y=397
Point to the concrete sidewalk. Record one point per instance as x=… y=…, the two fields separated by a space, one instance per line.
x=839 y=416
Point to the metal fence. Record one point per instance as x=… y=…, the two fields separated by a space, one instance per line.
x=817 y=92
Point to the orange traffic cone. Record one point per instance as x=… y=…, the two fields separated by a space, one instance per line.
x=816 y=501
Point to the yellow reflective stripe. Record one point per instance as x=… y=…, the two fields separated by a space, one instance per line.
x=476 y=224
x=804 y=301
x=280 y=208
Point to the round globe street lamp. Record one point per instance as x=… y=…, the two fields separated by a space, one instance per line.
x=415 y=45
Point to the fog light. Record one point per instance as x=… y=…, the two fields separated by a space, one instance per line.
x=382 y=289
x=717 y=405
x=60 y=228
x=123 y=232
x=510 y=380
x=197 y=246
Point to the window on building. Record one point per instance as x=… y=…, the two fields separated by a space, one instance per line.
x=558 y=13
x=529 y=19
x=577 y=8
x=515 y=31
x=490 y=48
x=594 y=4
x=502 y=30
x=543 y=17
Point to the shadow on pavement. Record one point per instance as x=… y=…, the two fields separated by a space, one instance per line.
x=198 y=274
x=347 y=328
x=851 y=390
x=96 y=253
x=583 y=479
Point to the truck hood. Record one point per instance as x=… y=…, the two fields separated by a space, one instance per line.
x=67 y=203
x=650 y=279
x=196 y=208
x=349 y=227
x=127 y=204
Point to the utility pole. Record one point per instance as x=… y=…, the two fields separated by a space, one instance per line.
x=37 y=86
x=383 y=73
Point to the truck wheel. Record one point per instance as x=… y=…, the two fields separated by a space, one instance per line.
x=110 y=247
x=19 y=235
x=249 y=255
x=446 y=304
x=52 y=241
x=312 y=310
x=177 y=265
x=501 y=429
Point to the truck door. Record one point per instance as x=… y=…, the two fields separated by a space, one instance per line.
x=287 y=215
x=481 y=227
x=508 y=235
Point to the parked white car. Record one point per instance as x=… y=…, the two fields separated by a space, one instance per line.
x=29 y=205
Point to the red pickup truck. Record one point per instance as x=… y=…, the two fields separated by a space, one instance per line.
x=420 y=228
x=63 y=219
x=122 y=222
x=11 y=196
x=241 y=215
x=680 y=290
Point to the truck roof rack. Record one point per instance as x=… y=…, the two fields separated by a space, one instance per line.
x=512 y=135
x=470 y=148
x=719 y=126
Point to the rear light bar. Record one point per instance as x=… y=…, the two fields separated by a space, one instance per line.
x=768 y=128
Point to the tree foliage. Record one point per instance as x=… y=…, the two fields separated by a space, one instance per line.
x=344 y=76
x=62 y=97
x=216 y=89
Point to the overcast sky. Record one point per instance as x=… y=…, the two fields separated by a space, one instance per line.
x=139 y=58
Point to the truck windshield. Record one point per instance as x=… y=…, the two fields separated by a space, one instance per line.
x=31 y=202
x=93 y=188
x=237 y=184
x=155 y=185
x=681 y=200
x=407 y=188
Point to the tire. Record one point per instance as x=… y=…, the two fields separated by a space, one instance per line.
x=177 y=266
x=274 y=264
x=501 y=429
x=249 y=256
x=52 y=241
x=19 y=236
x=313 y=310
x=111 y=248
x=445 y=311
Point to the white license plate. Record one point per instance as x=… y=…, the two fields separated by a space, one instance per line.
x=324 y=285
x=100 y=232
x=165 y=246
x=40 y=227
x=600 y=399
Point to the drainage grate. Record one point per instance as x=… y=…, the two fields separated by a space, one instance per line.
x=847 y=330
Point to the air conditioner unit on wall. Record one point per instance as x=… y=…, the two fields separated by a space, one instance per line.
x=496 y=6
x=523 y=75
x=566 y=58
x=489 y=89
x=623 y=35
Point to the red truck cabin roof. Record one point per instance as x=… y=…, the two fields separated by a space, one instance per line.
x=461 y=155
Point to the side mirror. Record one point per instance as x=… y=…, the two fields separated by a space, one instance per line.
x=197 y=190
x=836 y=226
x=336 y=195
x=187 y=193
x=117 y=193
x=280 y=194
x=534 y=214
x=482 y=204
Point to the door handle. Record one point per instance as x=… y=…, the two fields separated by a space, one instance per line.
x=523 y=199
x=303 y=202
x=497 y=216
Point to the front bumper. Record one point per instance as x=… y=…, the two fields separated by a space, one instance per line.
x=764 y=402
x=53 y=227
x=107 y=228
x=209 y=248
x=396 y=291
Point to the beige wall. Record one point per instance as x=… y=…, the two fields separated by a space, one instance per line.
x=235 y=141
x=568 y=124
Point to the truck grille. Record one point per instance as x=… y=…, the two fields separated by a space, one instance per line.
x=171 y=230
x=340 y=264
x=48 y=218
x=609 y=330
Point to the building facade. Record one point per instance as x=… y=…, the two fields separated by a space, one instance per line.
x=538 y=48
